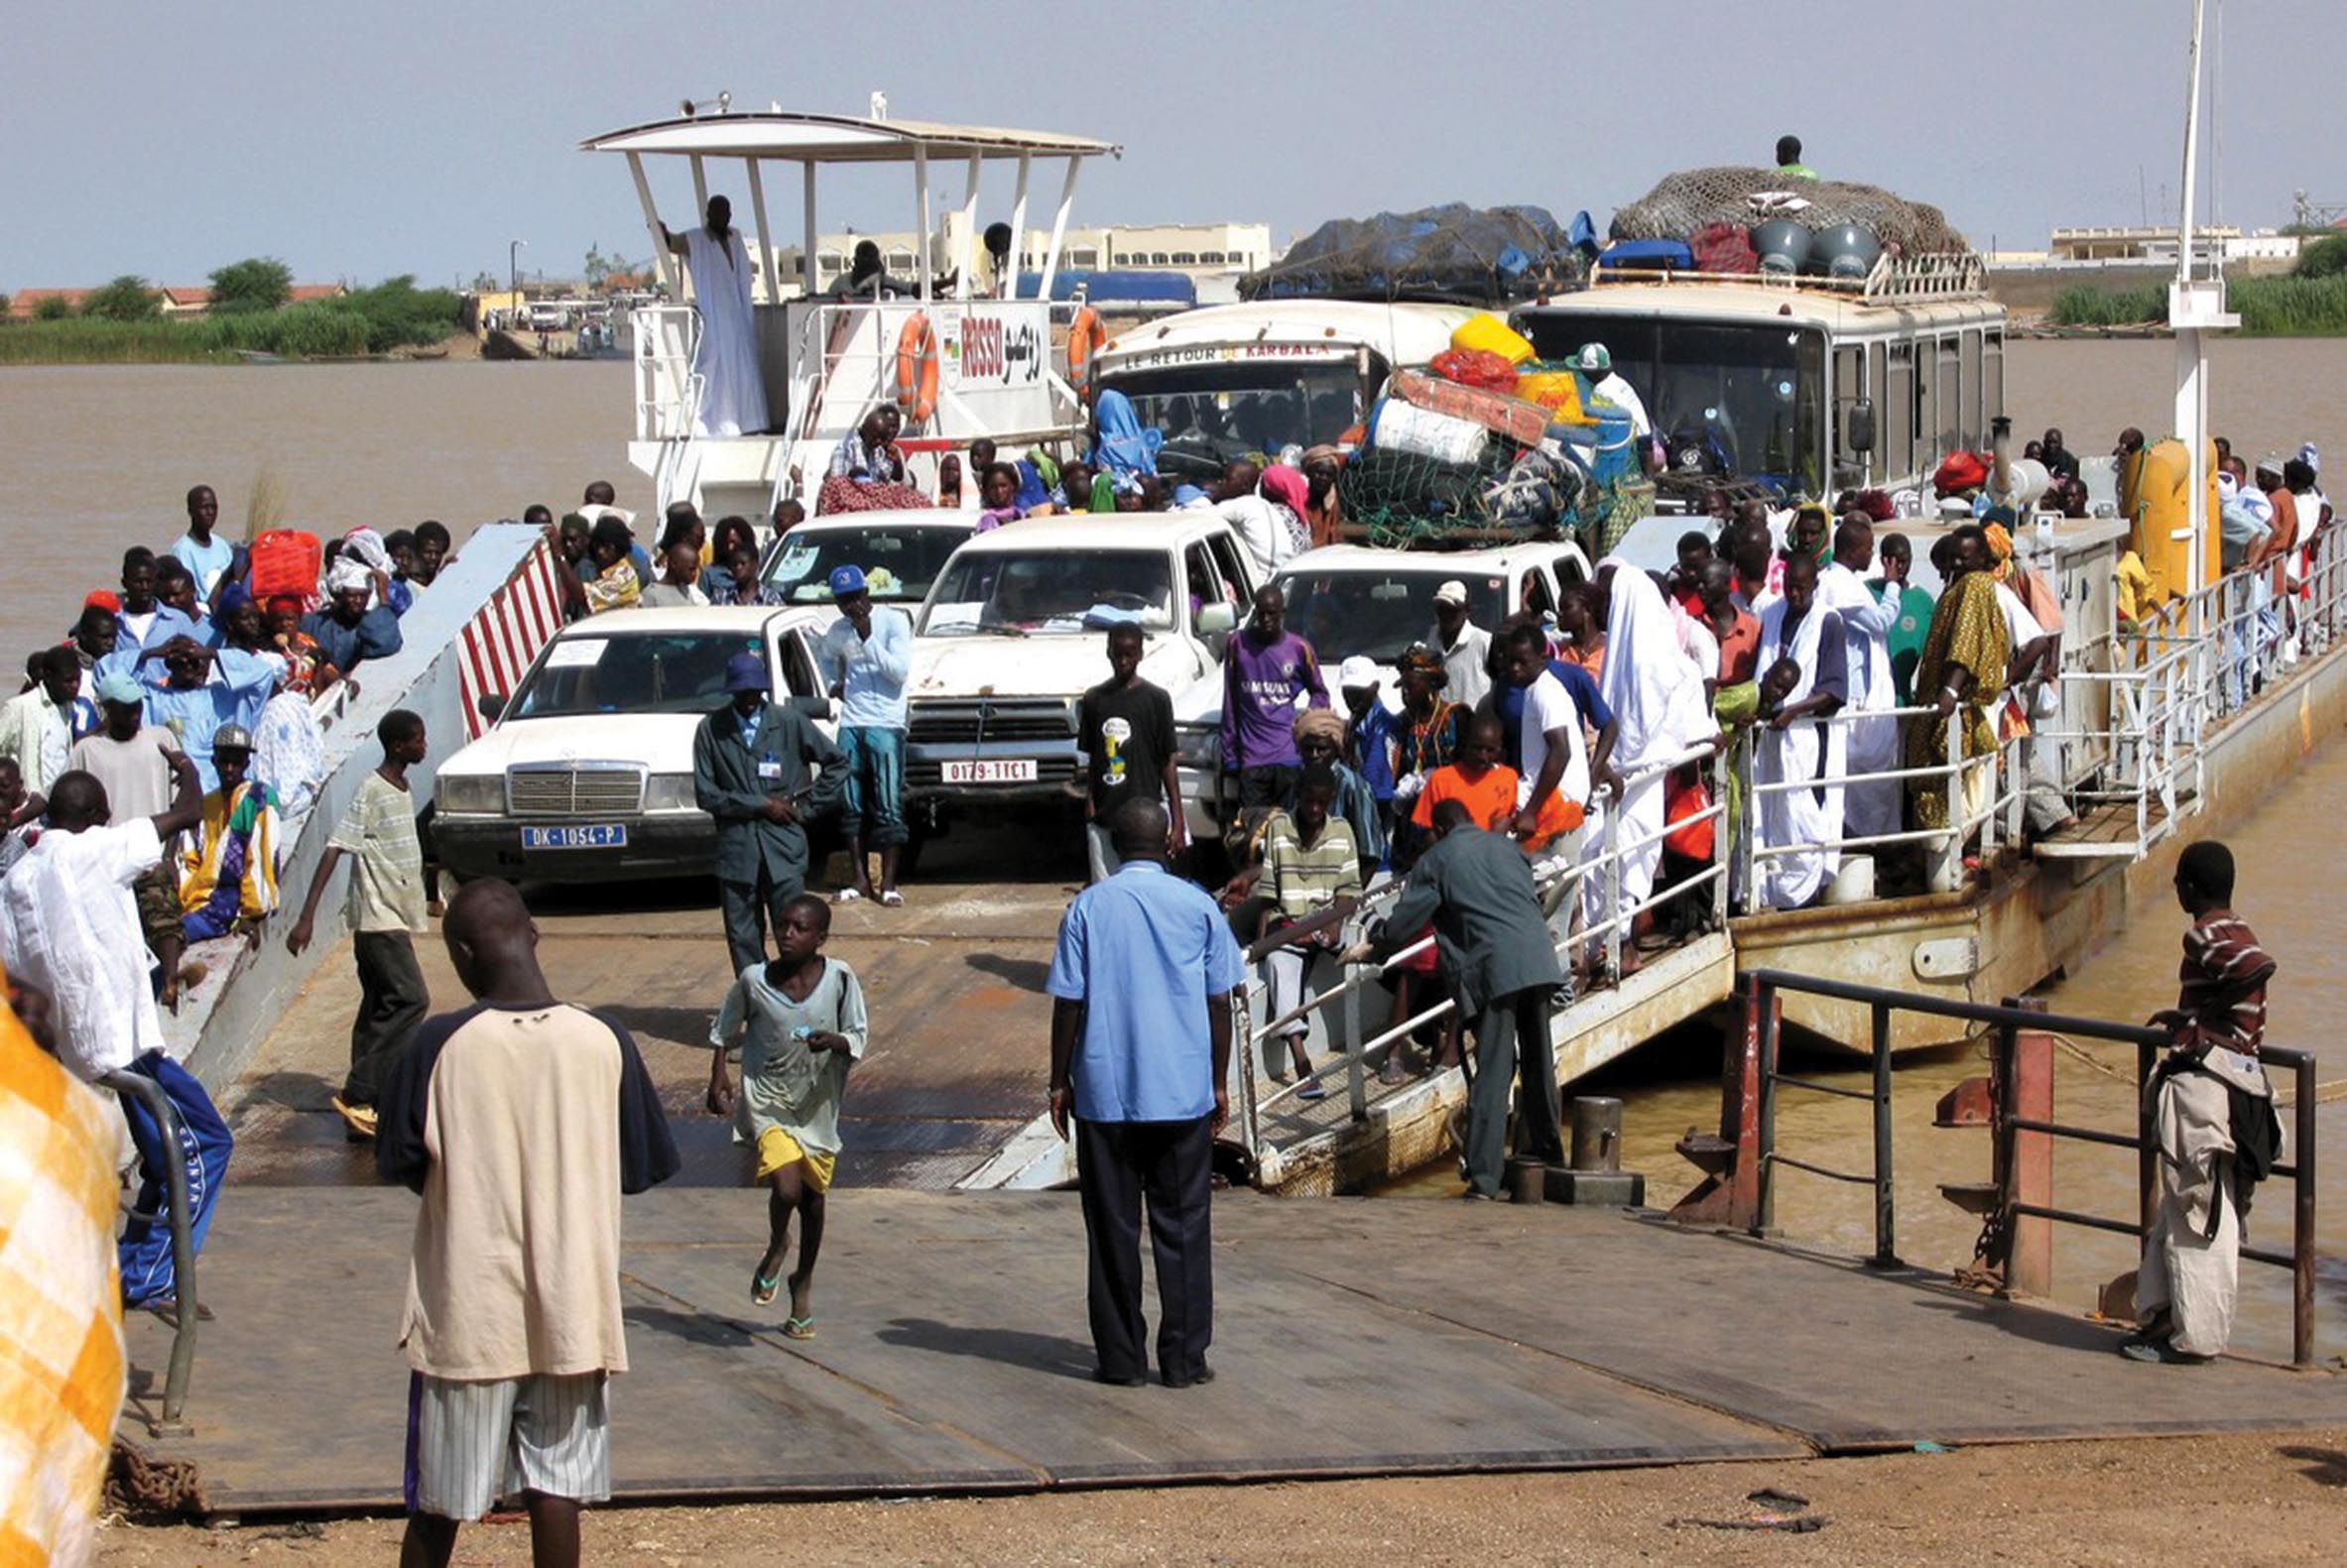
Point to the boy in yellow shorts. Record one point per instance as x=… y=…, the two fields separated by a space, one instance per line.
x=801 y=1022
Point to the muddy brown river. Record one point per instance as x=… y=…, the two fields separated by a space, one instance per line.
x=99 y=457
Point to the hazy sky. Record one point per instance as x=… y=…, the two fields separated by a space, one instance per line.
x=364 y=141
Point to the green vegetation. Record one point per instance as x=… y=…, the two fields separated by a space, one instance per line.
x=2325 y=258
x=127 y=299
x=2307 y=303
x=392 y=313
x=258 y=283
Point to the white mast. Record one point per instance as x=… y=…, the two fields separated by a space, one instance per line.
x=2194 y=304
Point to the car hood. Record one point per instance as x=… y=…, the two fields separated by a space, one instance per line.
x=1063 y=666
x=661 y=742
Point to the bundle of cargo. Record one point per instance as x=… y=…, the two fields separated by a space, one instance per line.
x=1450 y=252
x=1696 y=201
x=1454 y=455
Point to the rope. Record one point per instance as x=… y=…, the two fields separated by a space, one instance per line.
x=2328 y=1092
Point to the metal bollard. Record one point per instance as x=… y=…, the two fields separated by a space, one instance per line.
x=1597 y=1133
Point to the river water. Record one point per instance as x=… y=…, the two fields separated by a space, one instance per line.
x=99 y=458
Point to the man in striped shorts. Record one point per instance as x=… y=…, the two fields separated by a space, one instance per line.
x=521 y=1120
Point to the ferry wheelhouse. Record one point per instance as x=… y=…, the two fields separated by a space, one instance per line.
x=960 y=362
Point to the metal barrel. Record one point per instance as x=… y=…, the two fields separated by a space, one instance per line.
x=1597 y=1132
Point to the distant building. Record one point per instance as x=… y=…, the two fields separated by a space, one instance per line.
x=2158 y=246
x=177 y=302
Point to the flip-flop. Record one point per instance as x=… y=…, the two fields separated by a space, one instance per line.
x=763 y=1290
x=847 y=896
x=892 y=900
x=799 y=1327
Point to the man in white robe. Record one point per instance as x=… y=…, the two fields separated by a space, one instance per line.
x=1868 y=810
x=733 y=389
x=1796 y=746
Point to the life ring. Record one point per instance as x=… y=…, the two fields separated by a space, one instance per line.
x=1087 y=334
x=916 y=369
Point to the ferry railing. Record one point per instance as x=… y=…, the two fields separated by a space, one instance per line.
x=668 y=387
x=2007 y=1022
x=2149 y=743
x=1558 y=878
x=171 y=1419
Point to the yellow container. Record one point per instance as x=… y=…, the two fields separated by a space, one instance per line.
x=2155 y=498
x=1493 y=335
x=1553 y=390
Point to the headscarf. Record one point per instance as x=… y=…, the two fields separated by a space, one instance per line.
x=1653 y=688
x=235 y=595
x=348 y=571
x=1825 y=540
x=2311 y=457
x=2000 y=549
x=368 y=547
x=1321 y=723
x=1124 y=445
x=1288 y=487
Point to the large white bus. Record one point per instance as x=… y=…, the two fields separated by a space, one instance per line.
x=1810 y=385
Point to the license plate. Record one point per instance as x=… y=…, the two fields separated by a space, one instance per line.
x=598 y=835
x=1009 y=769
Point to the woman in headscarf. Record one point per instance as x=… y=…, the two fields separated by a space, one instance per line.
x=1323 y=513
x=1656 y=696
x=1320 y=739
x=1121 y=443
x=1962 y=671
x=1289 y=494
x=1799 y=746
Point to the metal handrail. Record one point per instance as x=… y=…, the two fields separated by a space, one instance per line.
x=151 y=1094
x=2008 y=1021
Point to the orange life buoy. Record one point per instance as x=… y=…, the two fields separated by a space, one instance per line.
x=916 y=369
x=1087 y=334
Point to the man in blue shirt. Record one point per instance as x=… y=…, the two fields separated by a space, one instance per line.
x=866 y=657
x=346 y=631
x=1140 y=1039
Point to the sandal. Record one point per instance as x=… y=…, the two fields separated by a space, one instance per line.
x=799 y=1327
x=763 y=1288
x=847 y=896
x=892 y=900
x=1314 y=1089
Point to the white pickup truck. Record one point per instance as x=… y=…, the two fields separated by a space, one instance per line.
x=1014 y=634
x=1347 y=599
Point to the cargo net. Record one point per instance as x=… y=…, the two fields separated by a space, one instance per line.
x=1694 y=198
x=1399 y=499
x=1450 y=252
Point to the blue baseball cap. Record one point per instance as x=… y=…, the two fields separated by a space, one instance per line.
x=746 y=672
x=847 y=581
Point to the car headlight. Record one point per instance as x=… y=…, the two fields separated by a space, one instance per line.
x=1198 y=745
x=669 y=792
x=483 y=794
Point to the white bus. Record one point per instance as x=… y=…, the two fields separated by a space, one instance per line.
x=1811 y=385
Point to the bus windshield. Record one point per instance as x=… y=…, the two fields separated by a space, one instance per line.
x=1217 y=411
x=1752 y=395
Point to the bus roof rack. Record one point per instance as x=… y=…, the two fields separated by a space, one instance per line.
x=1940 y=275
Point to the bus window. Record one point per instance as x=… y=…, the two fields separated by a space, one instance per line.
x=1879 y=465
x=1900 y=405
x=1949 y=409
x=1992 y=375
x=1849 y=385
x=1976 y=424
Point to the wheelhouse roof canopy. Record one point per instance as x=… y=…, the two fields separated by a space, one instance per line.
x=839 y=139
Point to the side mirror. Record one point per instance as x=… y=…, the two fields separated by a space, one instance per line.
x=1859 y=433
x=490 y=705
x=1218 y=620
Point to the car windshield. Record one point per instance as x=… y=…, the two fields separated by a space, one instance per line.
x=630 y=672
x=1026 y=592
x=1213 y=413
x=899 y=560
x=1379 y=613
x=1750 y=394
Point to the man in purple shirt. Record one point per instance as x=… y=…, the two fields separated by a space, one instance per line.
x=1265 y=669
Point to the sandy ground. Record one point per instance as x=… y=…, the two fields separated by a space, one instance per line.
x=2242 y=1498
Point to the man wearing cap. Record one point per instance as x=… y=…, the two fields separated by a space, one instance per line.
x=1370 y=733
x=761 y=769
x=865 y=659
x=228 y=874
x=132 y=762
x=1465 y=647
x=1596 y=362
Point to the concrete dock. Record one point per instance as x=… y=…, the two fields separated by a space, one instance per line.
x=1354 y=1337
